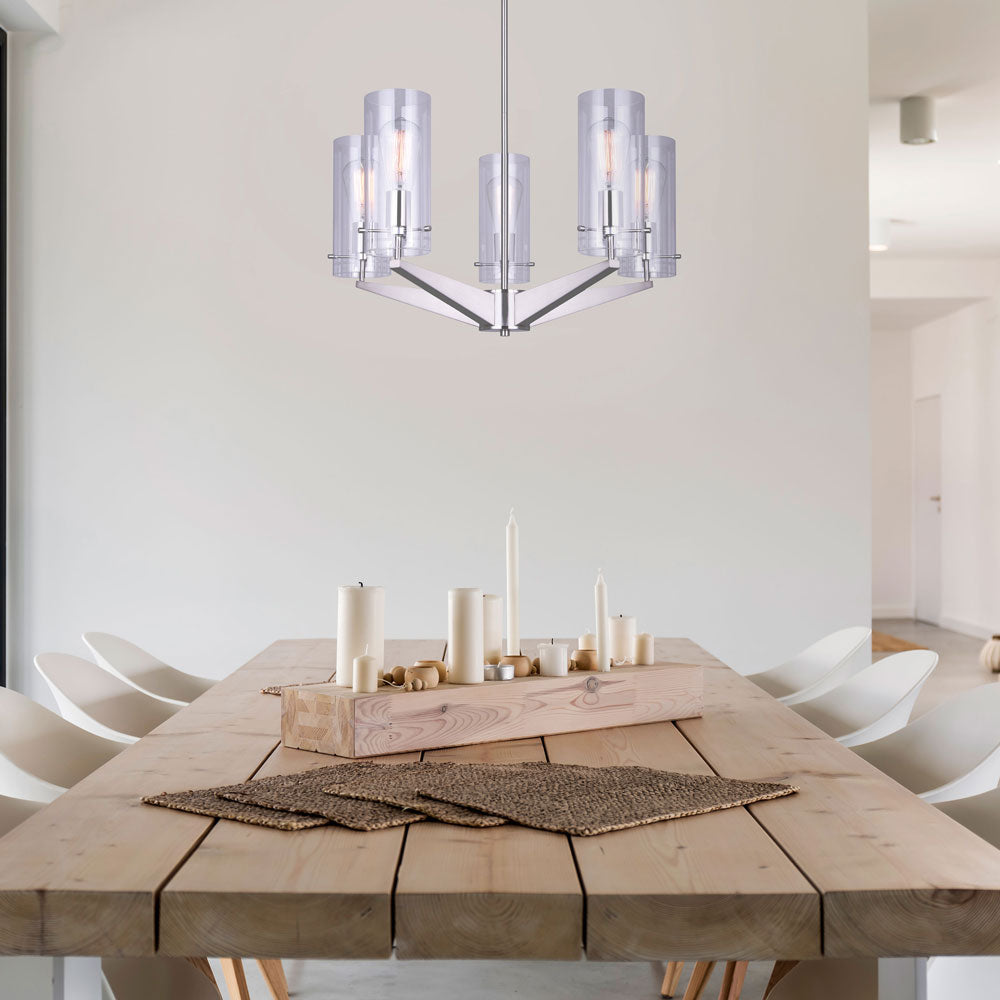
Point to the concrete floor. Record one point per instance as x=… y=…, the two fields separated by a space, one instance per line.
x=391 y=980
x=958 y=670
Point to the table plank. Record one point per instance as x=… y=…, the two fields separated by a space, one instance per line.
x=324 y=892
x=898 y=877
x=81 y=876
x=504 y=892
x=701 y=887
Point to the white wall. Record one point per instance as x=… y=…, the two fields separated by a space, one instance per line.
x=892 y=474
x=210 y=433
x=958 y=358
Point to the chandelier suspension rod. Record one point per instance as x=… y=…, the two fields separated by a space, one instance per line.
x=504 y=144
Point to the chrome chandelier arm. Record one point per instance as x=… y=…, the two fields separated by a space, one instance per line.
x=531 y=304
x=591 y=297
x=474 y=303
x=417 y=297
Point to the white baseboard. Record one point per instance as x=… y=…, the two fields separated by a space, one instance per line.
x=892 y=611
x=968 y=628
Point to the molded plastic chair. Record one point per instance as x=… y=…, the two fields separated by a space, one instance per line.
x=952 y=751
x=824 y=979
x=14 y=811
x=144 y=671
x=816 y=670
x=41 y=754
x=979 y=813
x=874 y=703
x=95 y=700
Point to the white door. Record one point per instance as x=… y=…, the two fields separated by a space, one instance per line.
x=927 y=507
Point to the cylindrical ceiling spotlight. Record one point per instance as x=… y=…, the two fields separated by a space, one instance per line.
x=878 y=235
x=916 y=121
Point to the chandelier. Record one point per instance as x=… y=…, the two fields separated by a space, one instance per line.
x=382 y=210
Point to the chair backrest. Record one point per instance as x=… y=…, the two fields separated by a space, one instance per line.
x=817 y=669
x=952 y=750
x=829 y=979
x=98 y=701
x=41 y=754
x=978 y=813
x=144 y=671
x=875 y=702
x=13 y=812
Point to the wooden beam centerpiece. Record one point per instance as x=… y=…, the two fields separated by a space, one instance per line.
x=335 y=720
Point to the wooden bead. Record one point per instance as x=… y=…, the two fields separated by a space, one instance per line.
x=417 y=684
x=399 y=675
x=408 y=686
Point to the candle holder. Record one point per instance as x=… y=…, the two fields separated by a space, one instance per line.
x=521 y=664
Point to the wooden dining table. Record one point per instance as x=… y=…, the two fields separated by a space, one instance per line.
x=851 y=865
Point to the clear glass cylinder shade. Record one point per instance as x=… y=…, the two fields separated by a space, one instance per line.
x=608 y=122
x=354 y=193
x=400 y=122
x=518 y=217
x=655 y=209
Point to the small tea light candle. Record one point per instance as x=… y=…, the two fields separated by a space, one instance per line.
x=587 y=641
x=644 y=652
x=366 y=673
x=553 y=659
x=622 y=638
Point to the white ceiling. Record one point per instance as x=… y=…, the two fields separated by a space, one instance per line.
x=905 y=314
x=944 y=199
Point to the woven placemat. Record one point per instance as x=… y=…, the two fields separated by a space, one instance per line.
x=401 y=784
x=569 y=798
x=205 y=802
x=303 y=793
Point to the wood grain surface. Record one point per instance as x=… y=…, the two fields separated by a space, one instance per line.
x=698 y=887
x=504 y=892
x=334 y=720
x=94 y=872
x=898 y=877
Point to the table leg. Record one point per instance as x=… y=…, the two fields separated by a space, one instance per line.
x=76 y=979
x=902 y=979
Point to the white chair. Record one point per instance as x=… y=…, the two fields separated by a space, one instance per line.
x=41 y=754
x=874 y=703
x=144 y=671
x=816 y=670
x=980 y=813
x=14 y=811
x=952 y=751
x=824 y=979
x=97 y=701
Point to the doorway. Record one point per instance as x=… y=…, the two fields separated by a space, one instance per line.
x=927 y=509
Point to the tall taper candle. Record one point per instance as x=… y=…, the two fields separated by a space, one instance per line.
x=601 y=610
x=492 y=627
x=465 y=635
x=513 y=590
x=360 y=623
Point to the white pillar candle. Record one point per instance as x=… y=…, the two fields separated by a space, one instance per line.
x=587 y=641
x=465 y=635
x=622 y=632
x=645 y=654
x=513 y=590
x=360 y=624
x=366 y=674
x=492 y=627
x=601 y=611
x=553 y=659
